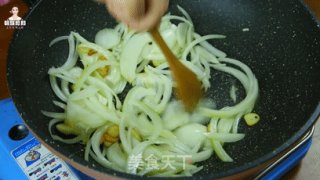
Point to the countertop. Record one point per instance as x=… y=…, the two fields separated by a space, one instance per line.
x=307 y=169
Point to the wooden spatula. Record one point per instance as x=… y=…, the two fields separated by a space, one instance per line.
x=188 y=86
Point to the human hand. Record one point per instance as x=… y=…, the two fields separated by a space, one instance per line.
x=141 y=15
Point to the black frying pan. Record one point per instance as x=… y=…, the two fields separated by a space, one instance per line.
x=282 y=47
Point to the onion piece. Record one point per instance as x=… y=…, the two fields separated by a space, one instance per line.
x=54 y=115
x=199 y=40
x=221 y=153
x=191 y=134
x=130 y=55
x=201 y=156
x=95 y=144
x=232 y=93
x=226 y=137
x=115 y=155
x=59 y=104
x=107 y=38
x=58 y=138
x=58 y=39
x=56 y=89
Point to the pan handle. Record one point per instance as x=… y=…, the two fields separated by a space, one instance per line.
x=283 y=163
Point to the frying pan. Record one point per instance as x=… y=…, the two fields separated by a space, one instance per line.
x=282 y=47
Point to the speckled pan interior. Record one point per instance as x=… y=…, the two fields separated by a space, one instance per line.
x=282 y=47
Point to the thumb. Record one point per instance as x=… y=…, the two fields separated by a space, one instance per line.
x=126 y=11
x=136 y=8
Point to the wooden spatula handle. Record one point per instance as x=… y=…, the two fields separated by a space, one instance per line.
x=162 y=45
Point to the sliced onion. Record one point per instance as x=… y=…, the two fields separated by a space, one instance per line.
x=221 y=153
x=54 y=115
x=191 y=134
x=58 y=39
x=115 y=155
x=226 y=137
x=56 y=89
x=148 y=110
x=201 y=156
x=199 y=40
x=95 y=144
x=107 y=38
x=131 y=55
x=58 y=138
x=59 y=104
